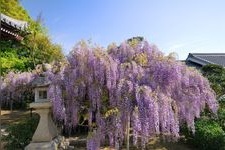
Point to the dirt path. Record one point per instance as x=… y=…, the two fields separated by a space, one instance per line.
x=8 y=117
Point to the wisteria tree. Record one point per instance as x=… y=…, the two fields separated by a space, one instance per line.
x=131 y=86
x=16 y=88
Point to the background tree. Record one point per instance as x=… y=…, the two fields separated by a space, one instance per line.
x=14 y=57
x=216 y=77
x=13 y=9
x=36 y=48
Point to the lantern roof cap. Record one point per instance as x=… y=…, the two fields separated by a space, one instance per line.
x=40 y=81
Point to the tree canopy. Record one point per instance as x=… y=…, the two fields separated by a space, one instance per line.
x=13 y=9
x=132 y=85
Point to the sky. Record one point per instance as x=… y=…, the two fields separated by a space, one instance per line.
x=180 y=26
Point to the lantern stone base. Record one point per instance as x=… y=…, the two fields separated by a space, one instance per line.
x=46 y=131
x=59 y=143
x=42 y=146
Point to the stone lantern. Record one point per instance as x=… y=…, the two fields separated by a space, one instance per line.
x=46 y=131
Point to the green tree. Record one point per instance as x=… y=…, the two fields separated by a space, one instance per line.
x=36 y=47
x=216 y=77
x=14 y=57
x=41 y=49
x=13 y=9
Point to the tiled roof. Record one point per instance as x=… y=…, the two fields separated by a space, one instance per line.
x=207 y=58
x=21 y=25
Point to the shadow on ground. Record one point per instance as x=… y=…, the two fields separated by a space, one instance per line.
x=8 y=117
x=79 y=142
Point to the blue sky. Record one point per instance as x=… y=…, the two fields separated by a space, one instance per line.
x=180 y=26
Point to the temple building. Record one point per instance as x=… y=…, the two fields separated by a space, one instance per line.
x=198 y=60
x=12 y=29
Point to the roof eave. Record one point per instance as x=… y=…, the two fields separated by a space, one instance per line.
x=197 y=60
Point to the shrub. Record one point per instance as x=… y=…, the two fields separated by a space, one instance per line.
x=221 y=117
x=20 y=134
x=208 y=135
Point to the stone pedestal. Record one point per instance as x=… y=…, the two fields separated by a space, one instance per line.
x=43 y=138
x=42 y=146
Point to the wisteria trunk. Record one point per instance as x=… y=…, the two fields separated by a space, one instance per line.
x=128 y=131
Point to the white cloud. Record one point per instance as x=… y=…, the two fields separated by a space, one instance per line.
x=185 y=47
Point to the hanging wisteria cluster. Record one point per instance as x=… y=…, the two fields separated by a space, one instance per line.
x=131 y=86
x=17 y=88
